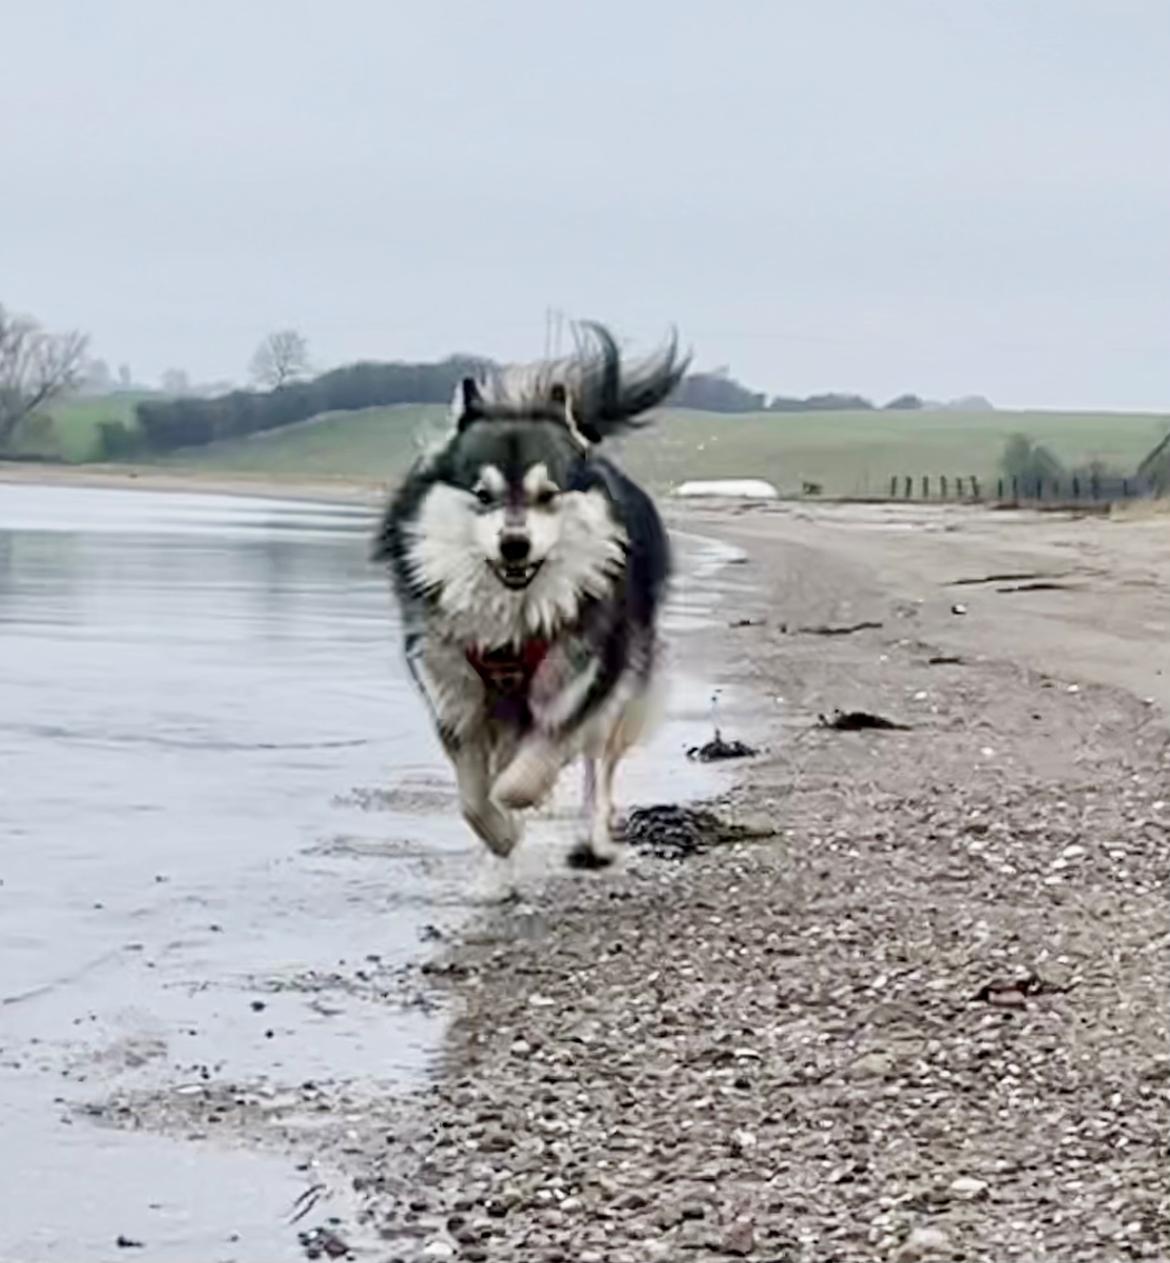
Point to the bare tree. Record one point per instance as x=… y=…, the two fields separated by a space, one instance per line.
x=280 y=358
x=35 y=368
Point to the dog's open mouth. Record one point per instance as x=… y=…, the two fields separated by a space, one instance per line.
x=516 y=575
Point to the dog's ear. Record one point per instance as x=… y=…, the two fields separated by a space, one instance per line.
x=470 y=403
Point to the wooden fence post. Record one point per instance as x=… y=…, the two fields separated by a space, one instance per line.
x=1015 y=486
x=999 y=490
x=942 y=484
x=974 y=487
x=926 y=486
x=893 y=486
x=909 y=487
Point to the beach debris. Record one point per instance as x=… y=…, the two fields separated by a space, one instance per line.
x=323 y=1243
x=856 y=720
x=1008 y=576
x=670 y=832
x=1013 y=993
x=128 y=1243
x=842 y=629
x=958 y=608
x=944 y=660
x=716 y=749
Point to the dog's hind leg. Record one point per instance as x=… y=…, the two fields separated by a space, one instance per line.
x=499 y=828
x=589 y=797
x=597 y=848
x=629 y=726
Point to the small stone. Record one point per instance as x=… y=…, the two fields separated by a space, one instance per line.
x=438 y=1249
x=967 y=1187
x=538 y=1001
x=923 y=1243
x=740 y=1238
x=871 y=1065
x=633 y=1199
x=521 y=1048
x=742 y=1142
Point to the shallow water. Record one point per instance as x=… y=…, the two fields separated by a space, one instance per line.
x=216 y=786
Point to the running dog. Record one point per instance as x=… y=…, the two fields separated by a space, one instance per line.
x=530 y=574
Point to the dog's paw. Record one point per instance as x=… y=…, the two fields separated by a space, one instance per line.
x=528 y=778
x=499 y=829
x=584 y=858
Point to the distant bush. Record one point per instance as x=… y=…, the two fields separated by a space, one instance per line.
x=903 y=403
x=1029 y=462
x=821 y=403
x=117 y=441
x=190 y=422
x=716 y=392
x=1034 y=469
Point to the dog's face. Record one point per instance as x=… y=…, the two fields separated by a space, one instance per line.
x=515 y=475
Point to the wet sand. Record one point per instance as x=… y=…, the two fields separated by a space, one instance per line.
x=925 y=1018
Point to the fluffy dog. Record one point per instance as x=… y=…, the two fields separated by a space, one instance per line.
x=530 y=573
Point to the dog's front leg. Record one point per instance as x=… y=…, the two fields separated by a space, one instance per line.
x=494 y=823
x=452 y=688
x=458 y=702
x=557 y=698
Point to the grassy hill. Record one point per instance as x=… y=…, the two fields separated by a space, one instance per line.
x=849 y=453
x=75 y=422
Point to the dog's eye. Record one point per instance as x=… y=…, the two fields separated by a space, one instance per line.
x=483 y=495
x=545 y=497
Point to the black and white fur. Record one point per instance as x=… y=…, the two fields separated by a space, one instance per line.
x=516 y=544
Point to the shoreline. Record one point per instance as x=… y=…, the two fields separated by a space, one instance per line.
x=151 y=478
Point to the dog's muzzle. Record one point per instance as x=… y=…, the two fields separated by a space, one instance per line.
x=515 y=569
x=516 y=576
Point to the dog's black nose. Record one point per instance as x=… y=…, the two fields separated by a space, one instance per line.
x=514 y=547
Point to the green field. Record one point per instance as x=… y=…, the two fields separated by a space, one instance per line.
x=74 y=432
x=848 y=453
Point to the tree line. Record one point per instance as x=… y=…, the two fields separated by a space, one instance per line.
x=38 y=368
x=166 y=424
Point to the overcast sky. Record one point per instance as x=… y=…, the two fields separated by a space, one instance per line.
x=945 y=196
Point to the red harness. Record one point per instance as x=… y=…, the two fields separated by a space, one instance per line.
x=508 y=671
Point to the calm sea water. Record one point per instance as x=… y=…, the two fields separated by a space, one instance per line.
x=201 y=700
